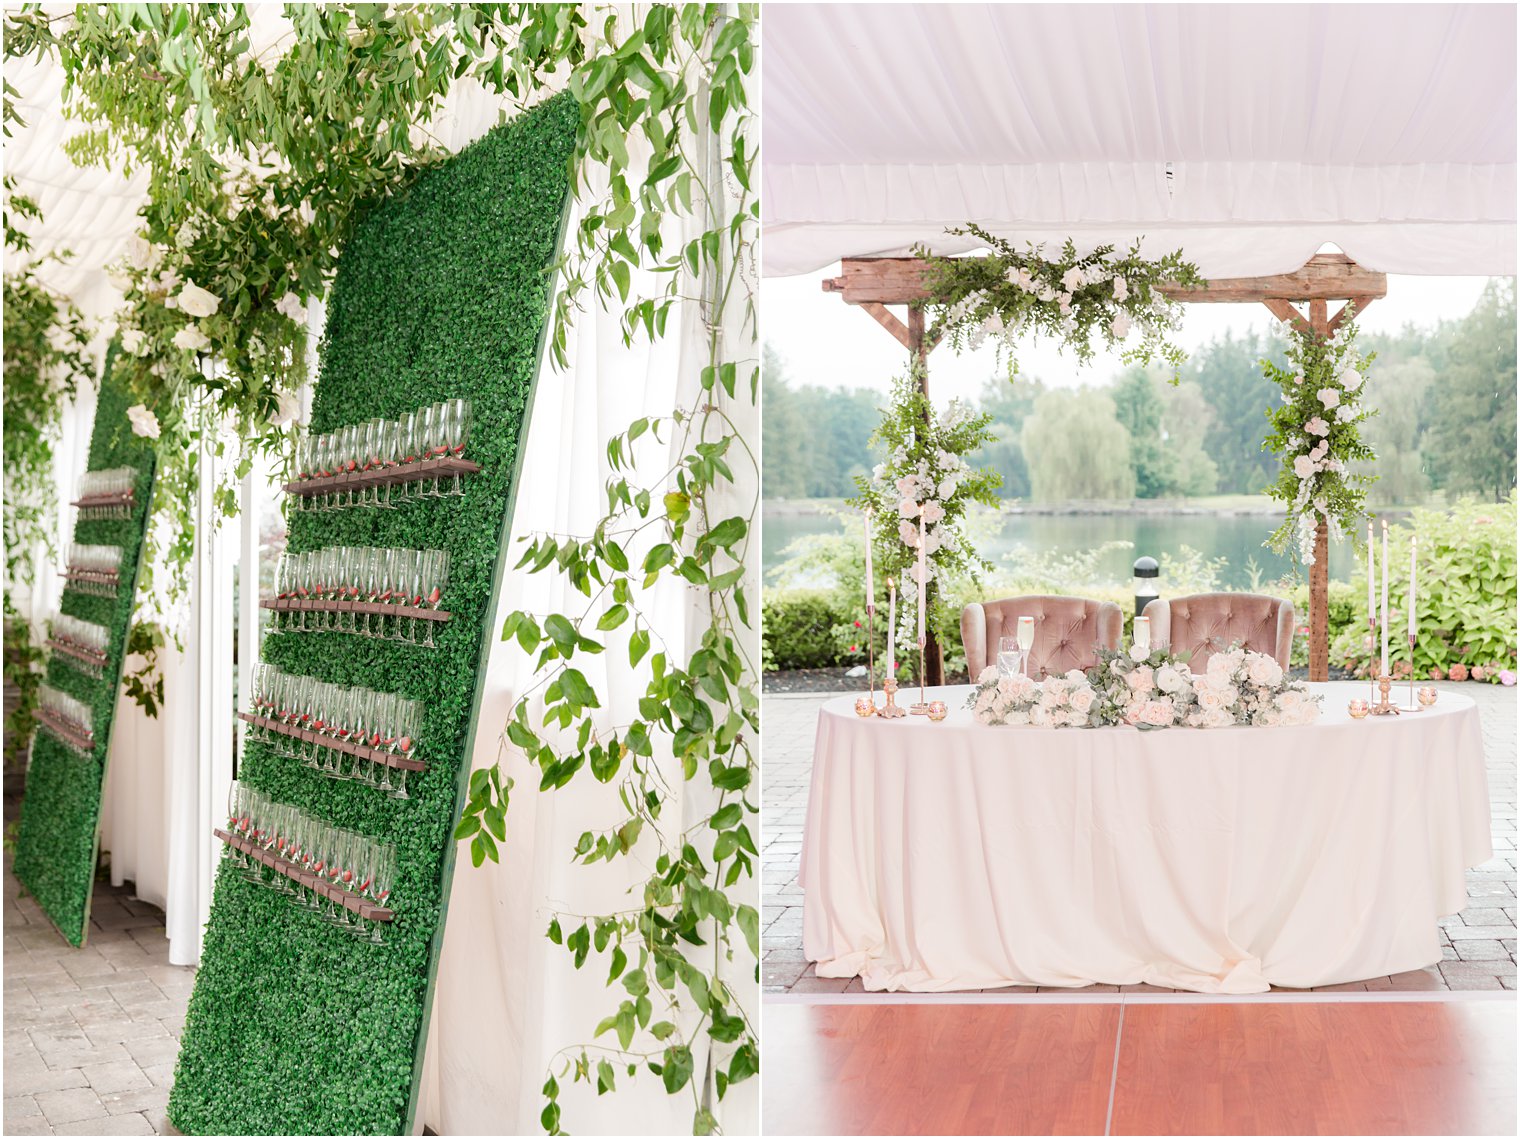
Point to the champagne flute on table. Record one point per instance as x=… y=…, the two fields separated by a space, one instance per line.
x=1026 y=642
x=1008 y=655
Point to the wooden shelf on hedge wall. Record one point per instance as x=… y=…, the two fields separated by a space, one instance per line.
x=345 y=898
x=385 y=476
x=98 y=500
x=363 y=751
x=65 y=732
x=375 y=608
x=92 y=577
x=85 y=655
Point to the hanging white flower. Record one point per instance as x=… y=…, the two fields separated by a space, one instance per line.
x=289 y=408
x=198 y=301
x=1073 y=279
x=290 y=305
x=1046 y=293
x=144 y=422
x=932 y=512
x=191 y=338
x=1317 y=426
x=132 y=341
x=1120 y=325
x=1330 y=397
x=141 y=253
x=1121 y=288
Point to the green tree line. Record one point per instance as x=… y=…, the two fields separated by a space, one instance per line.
x=1445 y=398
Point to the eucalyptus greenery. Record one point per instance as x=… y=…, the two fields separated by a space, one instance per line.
x=1073 y=298
x=1317 y=431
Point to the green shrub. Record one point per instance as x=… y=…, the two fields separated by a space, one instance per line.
x=798 y=629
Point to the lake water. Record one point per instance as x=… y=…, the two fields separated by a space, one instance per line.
x=1235 y=537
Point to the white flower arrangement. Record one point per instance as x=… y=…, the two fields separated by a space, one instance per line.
x=191 y=339
x=144 y=422
x=1149 y=691
x=197 y=301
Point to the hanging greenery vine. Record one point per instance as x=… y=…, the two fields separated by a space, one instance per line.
x=1075 y=299
x=1317 y=431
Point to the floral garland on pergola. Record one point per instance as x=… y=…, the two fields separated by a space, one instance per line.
x=1317 y=432
x=1073 y=298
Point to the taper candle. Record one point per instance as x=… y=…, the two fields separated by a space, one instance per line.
x=892 y=627
x=1412 y=541
x=870 y=580
x=923 y=577
x=1371 y=569
x=1384 y=611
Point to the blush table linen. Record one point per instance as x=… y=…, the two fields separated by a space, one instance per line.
x=956 y=855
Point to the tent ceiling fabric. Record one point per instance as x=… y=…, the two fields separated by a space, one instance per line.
x=91 y=211
x=1247 y=135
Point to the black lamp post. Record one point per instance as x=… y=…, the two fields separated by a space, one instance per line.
x=1146 y=585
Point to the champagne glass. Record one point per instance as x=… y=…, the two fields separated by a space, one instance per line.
x=382 y=878
x=1026 y=642
x=231 y=853
x=459 y=415
x=1008 y=655
x=410 y=429
x=408 y=723
x=435 y=577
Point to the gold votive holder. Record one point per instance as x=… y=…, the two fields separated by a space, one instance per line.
x=937 y=710
x=1358 y=709
x=865 y=706
x=1428 y=696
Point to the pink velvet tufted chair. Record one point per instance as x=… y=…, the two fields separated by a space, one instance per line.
x=1067 y=630
x=1206 y=623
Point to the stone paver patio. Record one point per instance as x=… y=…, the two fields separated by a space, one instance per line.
x=1478 y=944
x=92 y=1034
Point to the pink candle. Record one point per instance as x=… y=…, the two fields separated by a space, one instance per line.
x=870 y=580
x=892 y=627
x=1412 y=546
x=923 y=577
x=1384 y=612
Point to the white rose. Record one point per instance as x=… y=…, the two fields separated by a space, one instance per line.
x=1141 y=679
x=144 y=422
x=1073 y=280
x=907 y=533
x=1168 y=679
x=191 y=338
x=1345 y=413
x=1082 y=700
x=1046 y=294
x=290 y=305
x=1039 y=716
x=197 y=301
x=948 y=488
x=132 y=341
x=1330 y=397
x=907 y=508
x=932 y=512
x=1121 y=289
x=1303 y=466
x=907 y=486
x=1352 y=380
x=1218 y=718
x=1120 y=326
x=1317 y=426
x=1262 y=669
x=989 y=675
x=289 y=408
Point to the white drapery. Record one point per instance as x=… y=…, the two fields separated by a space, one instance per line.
x=1248 y=135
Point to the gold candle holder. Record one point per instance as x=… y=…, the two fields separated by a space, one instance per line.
x=1357 y=709
x=922 y=707
x=1428 y=696
x=937 y=710
x=1383 y=707
x=890 y=710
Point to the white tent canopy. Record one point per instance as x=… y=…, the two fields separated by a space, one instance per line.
x=1246 y=135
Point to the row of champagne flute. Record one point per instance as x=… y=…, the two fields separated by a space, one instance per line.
x=117 y=482
x=102 y=562
x=345 y=860
x=85 y=635
x=433 y=432
x=398 y=578
x=63 y=708
x=338 y=714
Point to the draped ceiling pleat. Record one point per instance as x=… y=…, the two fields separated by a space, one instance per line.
x=1248 y=135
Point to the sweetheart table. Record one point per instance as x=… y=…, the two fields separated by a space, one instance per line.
x=961 y=856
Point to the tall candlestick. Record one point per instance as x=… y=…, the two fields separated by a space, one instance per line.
x=1384 y=611
x=892 y=627
x=1412 y=542
x=923 y=577
x=870 y=580
x=1371 y=569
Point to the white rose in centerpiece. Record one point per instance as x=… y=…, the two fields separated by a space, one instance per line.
x=1140 y=679
x=1121 y=289
x=932 y=512
x=907 y=508
x=1321 y=449
x=1169 y=680
x=1120 y=326
x=1262 y=669
x=198 y=301
x=1157 y=713
x=1330 y=397
x=1039 y=716
x=1072 y=280
x=1082 y=700
x=1218 y=718
x=191 y=338
x=144 y=422
x=290 y=306
x=989 y=675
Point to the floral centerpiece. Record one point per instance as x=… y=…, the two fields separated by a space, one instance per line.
x=1149 y=690
x=1056 y=702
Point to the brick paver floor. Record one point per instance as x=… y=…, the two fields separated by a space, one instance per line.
x=1478 y=944
x=91 y=1035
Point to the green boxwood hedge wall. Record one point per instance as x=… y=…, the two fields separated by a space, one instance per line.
x=60 y=818
x=295 y=1027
